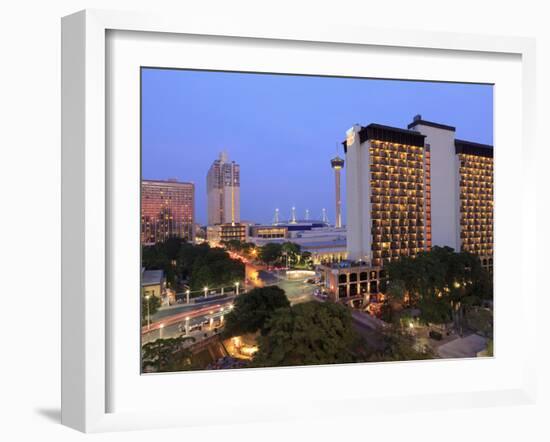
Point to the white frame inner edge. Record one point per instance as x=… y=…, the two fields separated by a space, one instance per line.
x=86 y=363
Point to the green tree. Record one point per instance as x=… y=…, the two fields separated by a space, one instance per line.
x=271 y=252
x=172 y=247
x=399 y=346
x=306 y=259
x=251 y=310
x=199 y=265
x=442 y=283
x=307 y=334
x=214 y=268
x=396 y=291
x=434 y=309
x=165 y=355
x=480 y=320
x=292 y=250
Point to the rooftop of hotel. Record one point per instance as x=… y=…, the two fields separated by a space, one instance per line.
x=347 y=264
x=380 y=132
x=470 y=148
x=418 y=120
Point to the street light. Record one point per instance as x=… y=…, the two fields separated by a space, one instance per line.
x=237 y=287
x=148 y=313
x=186 y=325
x=187 y=293
x=160 y=330
x=205 y=292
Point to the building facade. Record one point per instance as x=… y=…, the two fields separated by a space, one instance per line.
x=269 y=232
x=223 y=183
x=388 y=212
x=461 y=191
x=226 y=232
x=167 y=209
x=406 y=191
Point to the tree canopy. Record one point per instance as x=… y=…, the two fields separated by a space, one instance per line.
x=440 y=283
x=165 y=355
x=274 y=252
x=399 y=346
x=307 y=334
x=199 y=265
x=271 y=252
x=251 y=310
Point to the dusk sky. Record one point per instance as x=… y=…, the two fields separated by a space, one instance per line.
x=283 y=129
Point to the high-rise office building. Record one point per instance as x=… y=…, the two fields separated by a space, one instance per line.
x=223 y=185
x=167 y=209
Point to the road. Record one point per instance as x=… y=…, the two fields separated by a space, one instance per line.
x=168 y=322
x=181 y=308
x=296 y=290
x=172 y=325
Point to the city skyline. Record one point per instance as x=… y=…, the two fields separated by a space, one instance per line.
x=189 y=117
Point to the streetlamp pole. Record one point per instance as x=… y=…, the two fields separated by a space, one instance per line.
x=187 y=293
x=237 y=288
x=148 y=313
x=206 y=292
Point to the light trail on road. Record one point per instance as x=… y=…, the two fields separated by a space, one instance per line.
x=180 y=317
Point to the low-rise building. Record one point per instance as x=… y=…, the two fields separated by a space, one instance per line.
x=153 y=283
x=354 y=283
x=226 y=232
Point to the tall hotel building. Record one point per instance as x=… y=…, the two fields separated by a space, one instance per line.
x=409 y=190
x=223 y=185
x=388 y=209
x=167 y=209
x=461 y=190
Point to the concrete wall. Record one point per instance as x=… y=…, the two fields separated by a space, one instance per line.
x=445 y=186
x=227 y=201
x=358 y=197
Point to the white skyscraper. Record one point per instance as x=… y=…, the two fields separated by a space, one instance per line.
x=223 y=188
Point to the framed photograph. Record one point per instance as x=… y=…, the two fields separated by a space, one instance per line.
x=251 y=212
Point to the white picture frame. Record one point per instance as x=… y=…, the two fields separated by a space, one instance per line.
x=86 y=199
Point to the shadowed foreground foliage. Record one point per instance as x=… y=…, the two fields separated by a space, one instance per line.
x=399 y=346
x=251 y=310
x=443 y=284
x=308 y=334
x=165 y=355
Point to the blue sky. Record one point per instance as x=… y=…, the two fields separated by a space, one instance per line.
x=283 y=129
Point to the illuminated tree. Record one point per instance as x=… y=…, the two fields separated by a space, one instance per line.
x=307 y=334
